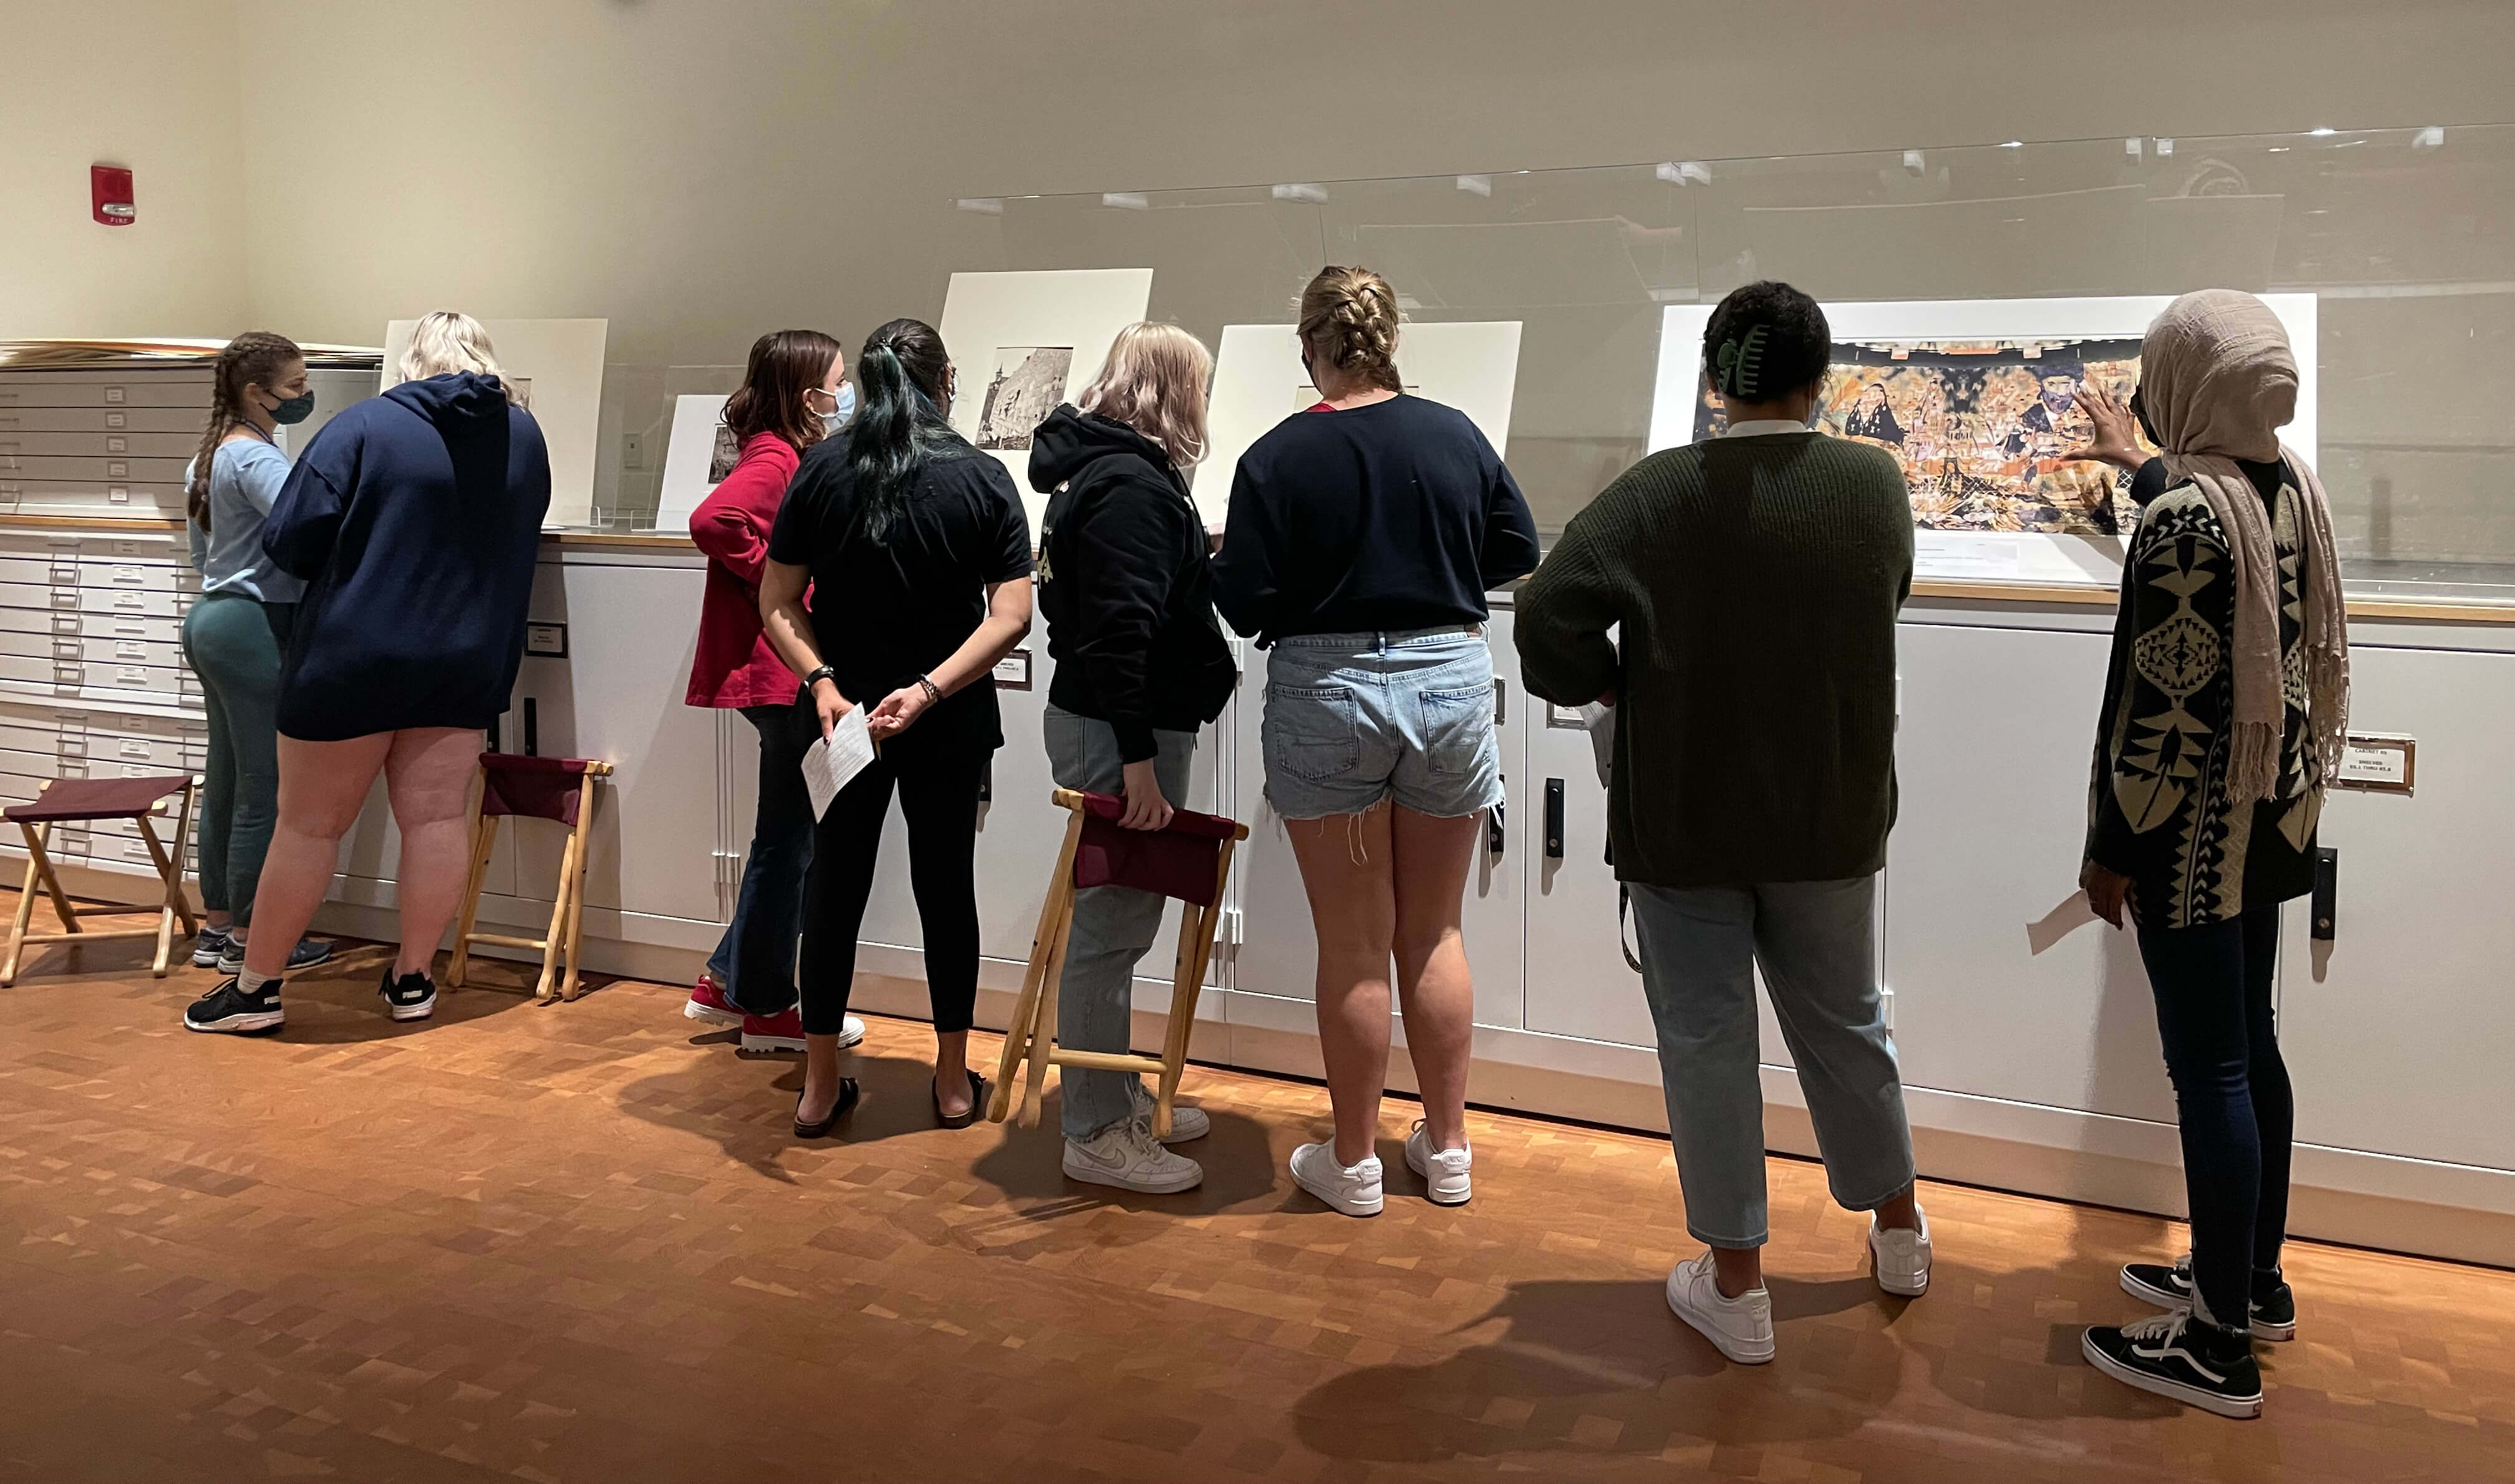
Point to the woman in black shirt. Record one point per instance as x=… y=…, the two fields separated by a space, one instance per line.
x=918 y=557
x=1362 y=539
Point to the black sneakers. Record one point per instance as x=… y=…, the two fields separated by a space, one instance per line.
x=228 y=1008
x=2170 y=1288
x=412 y=997
x=2185 y=1358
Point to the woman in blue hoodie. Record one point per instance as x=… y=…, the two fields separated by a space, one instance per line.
x=414 y=518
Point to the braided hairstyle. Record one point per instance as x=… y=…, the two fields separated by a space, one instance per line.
x=1349 y=319
x=899 y=426
x=1765 y=341
x=255 y=358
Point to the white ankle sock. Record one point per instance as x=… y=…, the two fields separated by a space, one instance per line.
x=251 y=984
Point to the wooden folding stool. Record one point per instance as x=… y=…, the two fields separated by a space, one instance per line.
x=67 y=800
x=1189 y=860
x=558 y=789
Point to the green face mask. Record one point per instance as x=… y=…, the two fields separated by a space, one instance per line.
x=296 y=409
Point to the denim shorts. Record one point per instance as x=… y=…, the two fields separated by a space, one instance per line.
x=1356 y=720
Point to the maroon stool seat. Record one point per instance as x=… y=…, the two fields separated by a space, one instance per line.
x=1190 y=860
x=67 y=800
x=518 y=787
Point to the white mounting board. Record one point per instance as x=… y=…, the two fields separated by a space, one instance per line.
x=2028 y=557
x=562 y=360
x=1472 y=365
x=686 y=458
x=1083 y=309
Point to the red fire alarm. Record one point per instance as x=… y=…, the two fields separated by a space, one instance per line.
x=111 y=186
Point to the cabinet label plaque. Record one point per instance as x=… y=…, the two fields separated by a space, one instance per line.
x=2378 y=763
x=548 y=641
x=1012 y=672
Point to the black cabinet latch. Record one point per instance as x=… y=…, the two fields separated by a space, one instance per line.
x=1553 y=819
x=2327 y=892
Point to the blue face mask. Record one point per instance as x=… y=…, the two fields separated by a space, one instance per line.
x=296 y=409
x=841 y=415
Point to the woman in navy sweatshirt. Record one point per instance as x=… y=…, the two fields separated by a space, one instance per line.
x=414 y=518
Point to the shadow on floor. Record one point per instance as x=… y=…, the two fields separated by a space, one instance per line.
x=335 y=1003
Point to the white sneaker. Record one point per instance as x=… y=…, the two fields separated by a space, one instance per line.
x=1351 y=1189
x=1125 y=1155
x=1188 y=1125
x=1900 y=1259
x=1444 y=1170
x=1740 y=1328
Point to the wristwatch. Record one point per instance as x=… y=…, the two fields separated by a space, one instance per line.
x=825 y=673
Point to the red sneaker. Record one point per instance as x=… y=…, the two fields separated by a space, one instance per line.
x=784 y=1032
x=781 y=1031
x=708 y=1003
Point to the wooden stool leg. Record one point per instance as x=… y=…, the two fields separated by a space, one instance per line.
x=1042 y=1038
x=183 y=842
x=1196 y=956
x=554 y=937
x=576 y=889
x=1053 y=912
x=26 y=905
x=484 y=840
x=171 y=871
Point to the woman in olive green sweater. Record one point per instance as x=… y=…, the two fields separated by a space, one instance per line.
x=1753 y=580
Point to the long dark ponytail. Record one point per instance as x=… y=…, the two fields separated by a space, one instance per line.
x=253 y=358
x=899 y=426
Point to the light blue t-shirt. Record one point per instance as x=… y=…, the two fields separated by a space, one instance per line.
x=245 y=477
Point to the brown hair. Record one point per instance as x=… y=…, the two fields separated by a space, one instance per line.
x=1349 y=316
x=1155 y=380
x=253 y=358
x=784 y=365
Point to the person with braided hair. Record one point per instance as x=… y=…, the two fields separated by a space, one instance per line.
x=1751 y=584
x=918 y=557
x=237 y=630
x=1362 y=538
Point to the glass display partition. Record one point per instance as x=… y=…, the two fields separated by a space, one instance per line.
x=2403 y=240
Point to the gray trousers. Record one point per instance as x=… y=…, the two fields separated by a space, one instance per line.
x=1816 y=943
x=236 y=643
x=1112 y=928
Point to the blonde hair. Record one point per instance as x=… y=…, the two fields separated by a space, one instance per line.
x=448 y=340
x=1349 y=316
x=1155 y=380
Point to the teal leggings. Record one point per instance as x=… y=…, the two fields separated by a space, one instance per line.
x=234 y=643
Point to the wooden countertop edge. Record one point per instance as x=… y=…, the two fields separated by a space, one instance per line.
x=2089 y=595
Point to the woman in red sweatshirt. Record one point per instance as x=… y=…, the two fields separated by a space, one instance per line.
x=794 y=393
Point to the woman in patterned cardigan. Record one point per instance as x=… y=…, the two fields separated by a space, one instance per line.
x=2224 y=712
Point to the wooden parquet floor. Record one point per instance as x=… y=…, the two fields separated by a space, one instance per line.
x=579 y=1244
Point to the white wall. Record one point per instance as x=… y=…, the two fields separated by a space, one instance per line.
x=148 y=84
x=701 y=171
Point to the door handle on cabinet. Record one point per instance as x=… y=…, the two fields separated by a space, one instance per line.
x=1553 y=819
x=1497 y=825
x=1502 y=690
x=2327 y=893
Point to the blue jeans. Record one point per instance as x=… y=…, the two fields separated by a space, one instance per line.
x=2213 y=987
x=1815 y=942
x=755 y=960
x=1354 y=721
x=1112 y=928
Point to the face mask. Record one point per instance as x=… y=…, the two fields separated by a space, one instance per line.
x=296 y=409
x=844 y=408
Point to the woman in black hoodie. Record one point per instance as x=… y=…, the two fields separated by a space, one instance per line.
x=1140 y=664
x=414 y=520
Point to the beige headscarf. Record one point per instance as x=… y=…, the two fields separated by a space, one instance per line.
x=2217 y=382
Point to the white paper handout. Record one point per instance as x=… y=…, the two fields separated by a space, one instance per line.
x=834 y=762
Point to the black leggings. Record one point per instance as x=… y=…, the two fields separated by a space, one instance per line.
x=938 y=794
x=2213 y=986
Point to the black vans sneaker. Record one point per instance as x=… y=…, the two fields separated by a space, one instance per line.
x=2178 y=1356
x=412 y=997
x=228 y=1008
x=2170 y=1288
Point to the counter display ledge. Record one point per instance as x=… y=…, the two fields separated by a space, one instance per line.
x=2025 y=1029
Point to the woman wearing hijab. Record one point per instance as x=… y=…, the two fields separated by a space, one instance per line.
x=2224 y=712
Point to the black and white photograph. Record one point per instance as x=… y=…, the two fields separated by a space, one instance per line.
x=1028 y=382
x=721 y=455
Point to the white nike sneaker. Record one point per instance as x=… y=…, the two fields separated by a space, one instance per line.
x=1188 y=1125
x=1900 y=1259
x=1352 y=1189
x=1444 y=1170
x=1740 y=1328
x=1125 y=1155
